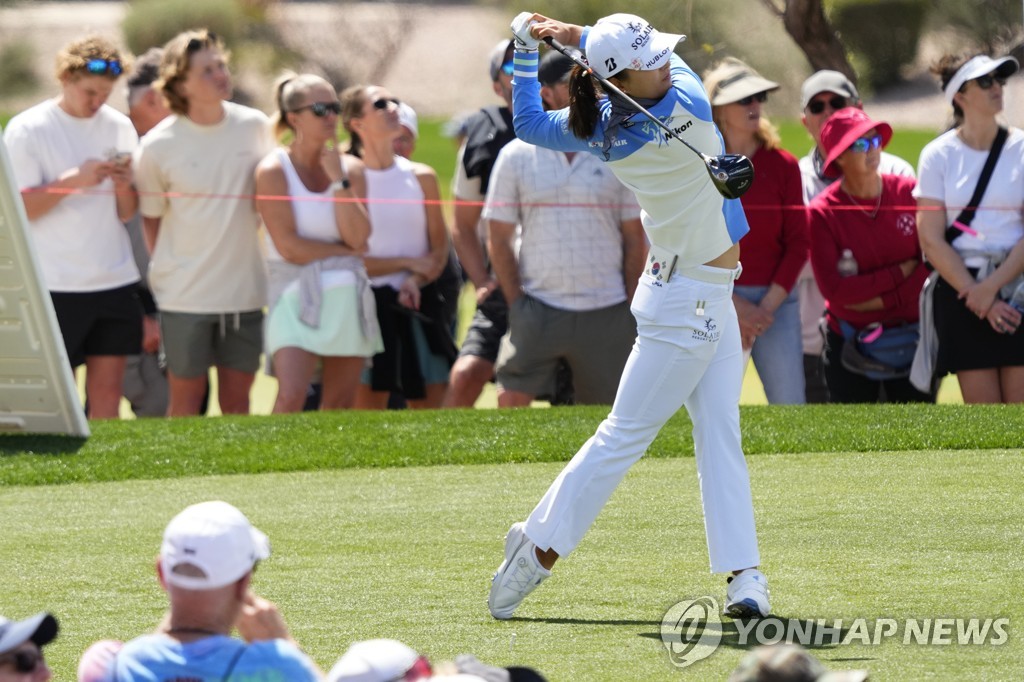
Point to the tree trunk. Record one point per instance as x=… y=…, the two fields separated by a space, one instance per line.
x=806 y=23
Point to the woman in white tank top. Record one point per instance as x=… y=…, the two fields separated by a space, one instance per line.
x=408 y=249
x=321 y=307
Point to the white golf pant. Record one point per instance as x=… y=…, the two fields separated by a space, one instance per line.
x=687 y=352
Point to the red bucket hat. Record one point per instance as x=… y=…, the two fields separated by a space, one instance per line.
x=842 y=129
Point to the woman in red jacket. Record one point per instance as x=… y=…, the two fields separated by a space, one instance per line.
x=776 y=247
x=867 y=261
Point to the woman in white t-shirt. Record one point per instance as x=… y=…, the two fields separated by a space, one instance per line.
x=408 y=249
x=321 y=307
x=977 y=329
x=72 y=162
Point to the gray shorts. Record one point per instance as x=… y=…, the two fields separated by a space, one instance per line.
x=194 y=342
x=594 y=343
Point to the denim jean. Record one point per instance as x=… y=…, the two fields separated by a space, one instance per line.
x=778 y=353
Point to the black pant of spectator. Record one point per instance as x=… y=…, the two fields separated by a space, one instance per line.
x=845 y=386
x=815 y=388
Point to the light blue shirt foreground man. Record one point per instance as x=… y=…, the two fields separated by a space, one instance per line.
x=688 y=349
x=205 y=566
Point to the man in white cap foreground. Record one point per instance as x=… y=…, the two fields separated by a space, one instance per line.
x=205 y=565
x=21 y=648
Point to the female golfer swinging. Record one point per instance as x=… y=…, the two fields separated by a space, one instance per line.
x=688 y=349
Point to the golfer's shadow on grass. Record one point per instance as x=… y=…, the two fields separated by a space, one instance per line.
x=807 y=633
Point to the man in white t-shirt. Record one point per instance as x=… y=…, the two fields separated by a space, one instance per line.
x=72 y=162
x=570 y=281
x=822 y=95
x=195 y=175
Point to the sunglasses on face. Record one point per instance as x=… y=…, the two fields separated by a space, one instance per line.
x=100 y=67
x=24 y=661
x=985 y=82
x=761 y=97
x=508 y=68
x=865 y=144
x=817 y=106
x=321 y=109
x=383 y=102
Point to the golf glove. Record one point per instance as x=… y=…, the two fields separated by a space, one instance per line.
x=521 y=30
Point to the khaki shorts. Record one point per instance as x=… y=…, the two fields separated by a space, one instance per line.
x=194 y=342
x=594 y=343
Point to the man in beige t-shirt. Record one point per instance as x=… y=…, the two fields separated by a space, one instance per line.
x=194 y=172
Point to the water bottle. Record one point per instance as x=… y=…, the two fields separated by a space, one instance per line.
x=847 y=264
x=1017 y=300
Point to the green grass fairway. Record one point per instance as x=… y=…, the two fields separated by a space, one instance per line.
x=905 y=512
x=408 y=553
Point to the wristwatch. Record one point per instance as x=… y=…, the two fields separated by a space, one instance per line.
x=339 y=185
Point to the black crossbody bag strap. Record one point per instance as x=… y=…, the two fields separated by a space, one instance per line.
x=967 y=215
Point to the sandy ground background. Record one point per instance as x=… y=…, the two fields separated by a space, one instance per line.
x=438 y=62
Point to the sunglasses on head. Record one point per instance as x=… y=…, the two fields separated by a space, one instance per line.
x=985 y=82
x=100 y=67
x=24 y=661
x=383 y=102
x=321 y=109
x=761 y=97
x=863 y=145
x=196 y=44
x=817 y=106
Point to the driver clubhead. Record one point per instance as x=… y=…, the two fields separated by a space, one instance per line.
x=732 y=174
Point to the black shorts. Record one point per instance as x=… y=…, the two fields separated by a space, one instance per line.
x=966 y=342
x=490 y=322
x=99 y=322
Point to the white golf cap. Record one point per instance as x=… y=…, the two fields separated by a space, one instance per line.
x=1004 y=67
x=210 y=545
x=407 y=117
x=625 y=41
x=375 y=660
x=40 y=628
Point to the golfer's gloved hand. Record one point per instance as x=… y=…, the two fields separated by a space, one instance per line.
x=521 y=30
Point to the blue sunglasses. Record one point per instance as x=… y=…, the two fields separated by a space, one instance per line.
x=100 y=67
x=865 y=144
x=508 y=68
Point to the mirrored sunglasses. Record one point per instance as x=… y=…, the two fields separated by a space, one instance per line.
x=761 y=97
x=817 y=106
x=508 y=68
x=985 y=82
x=24 y=661
x=321 y=109
x=863 y=145
x=383 y=102
x=100 y=67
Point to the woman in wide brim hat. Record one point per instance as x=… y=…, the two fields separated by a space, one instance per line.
x=775 y=249
x=977 y=329
x=865 y=254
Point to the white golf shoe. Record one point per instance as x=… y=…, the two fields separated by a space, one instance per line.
x=747 y=595
x=519 y=574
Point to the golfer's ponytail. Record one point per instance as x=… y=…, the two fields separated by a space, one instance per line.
x=583 y=111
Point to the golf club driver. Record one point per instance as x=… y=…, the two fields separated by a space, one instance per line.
x=731 y=174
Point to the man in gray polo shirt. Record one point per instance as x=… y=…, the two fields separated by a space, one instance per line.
x=569 y=283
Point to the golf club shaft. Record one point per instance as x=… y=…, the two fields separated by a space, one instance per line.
x=611 y=87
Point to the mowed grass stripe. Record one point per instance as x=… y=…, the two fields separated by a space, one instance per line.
x=408 y=553
x=156 y=449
